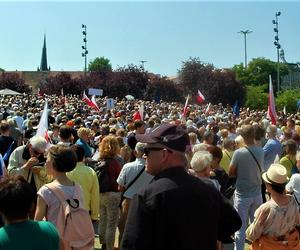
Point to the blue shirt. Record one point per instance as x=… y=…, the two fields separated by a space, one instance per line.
x=272 y=148
x=86 y=147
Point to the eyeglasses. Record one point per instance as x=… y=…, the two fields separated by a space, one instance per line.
x=148 y=150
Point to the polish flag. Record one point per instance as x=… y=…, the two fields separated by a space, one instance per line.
x=42 y=129
x=88 y=101
x=200 y=97
x=271 y=115
x=185 y=109
x=39 y=92
x=95 y=103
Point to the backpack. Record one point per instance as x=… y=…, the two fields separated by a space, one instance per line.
x=74 y=222
x=105 y=182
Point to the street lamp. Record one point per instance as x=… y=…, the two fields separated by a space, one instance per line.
x=245 y=33
x=143 y=63
x=277 y=45
x=84 y=47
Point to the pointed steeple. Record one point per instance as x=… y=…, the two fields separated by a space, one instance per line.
x=44 y=66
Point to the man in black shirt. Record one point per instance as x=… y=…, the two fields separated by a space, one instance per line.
x=176 y=211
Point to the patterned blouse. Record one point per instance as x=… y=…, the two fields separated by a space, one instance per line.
x=270 y=219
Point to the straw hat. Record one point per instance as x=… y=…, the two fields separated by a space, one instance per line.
x=276 y=174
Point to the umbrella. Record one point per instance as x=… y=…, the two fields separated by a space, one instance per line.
x=129 y=97
x=9 y=92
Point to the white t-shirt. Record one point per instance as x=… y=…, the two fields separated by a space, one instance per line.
x=294 y=186
x=129 y=172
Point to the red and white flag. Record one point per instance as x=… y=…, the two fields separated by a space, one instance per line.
x=89 y=102
x=39 y=92
x=95 y=103
x=271 y=103
x=200 y=97
x=185 y=108
x=42 y=129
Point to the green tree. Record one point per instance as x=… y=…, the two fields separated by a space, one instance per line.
x=289 y=99
x=256 y=98
x=99 y=64
x=2 y=70
x=258 y=71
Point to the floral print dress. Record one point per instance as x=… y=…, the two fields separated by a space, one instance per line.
x=272 y=220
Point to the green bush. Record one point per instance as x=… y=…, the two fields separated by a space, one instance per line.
x=289 y=99
x=256 y=98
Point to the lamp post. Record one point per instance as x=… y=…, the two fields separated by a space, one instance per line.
x=143 y=63
x=245 y=33
x=277 y=45
x=84 y=47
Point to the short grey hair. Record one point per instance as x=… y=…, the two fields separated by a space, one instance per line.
x=38 y=142
x=139 y=147
x=201 y=160
x=200 y=147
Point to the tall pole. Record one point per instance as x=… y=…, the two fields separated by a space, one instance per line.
x=143 y=63
x=84 y=47
x=245 y=33
x=278 y=46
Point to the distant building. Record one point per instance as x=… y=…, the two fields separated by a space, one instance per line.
x=44 y=64
x=292 y=80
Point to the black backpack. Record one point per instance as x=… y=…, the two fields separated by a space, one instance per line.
x=105 y=182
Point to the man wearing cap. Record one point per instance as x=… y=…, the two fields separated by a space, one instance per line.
x=176 y=210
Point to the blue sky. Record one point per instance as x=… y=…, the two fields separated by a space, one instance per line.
x=162 y=33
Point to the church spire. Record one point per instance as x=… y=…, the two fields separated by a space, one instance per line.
x=44 y=66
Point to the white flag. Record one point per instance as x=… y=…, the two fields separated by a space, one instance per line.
x=141 y=111
x=42 y=129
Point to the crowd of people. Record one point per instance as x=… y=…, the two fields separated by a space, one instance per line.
x=206 y=179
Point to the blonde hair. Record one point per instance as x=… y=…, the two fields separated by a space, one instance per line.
x=109 y=147
x=83 y=131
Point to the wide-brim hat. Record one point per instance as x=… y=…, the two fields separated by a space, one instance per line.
x=276 y=175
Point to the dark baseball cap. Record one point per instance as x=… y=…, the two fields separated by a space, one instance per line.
x=168 y=135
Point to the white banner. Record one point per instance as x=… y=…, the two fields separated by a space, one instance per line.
x=97 y=92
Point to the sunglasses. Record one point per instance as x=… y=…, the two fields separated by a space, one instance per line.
x=148 y=150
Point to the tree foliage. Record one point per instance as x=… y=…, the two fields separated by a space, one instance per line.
x=129 y=79
x=54 y=84
x=99 y=64
x=289 y=99
x=258 y=71
x=14 y=82
x=256 y=98
x=161 y=88
x=2 y=70
x=215 y=84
